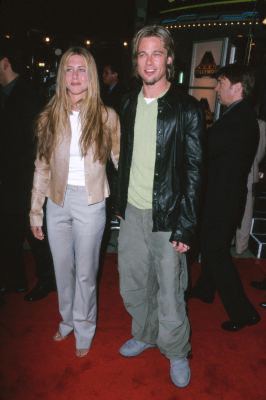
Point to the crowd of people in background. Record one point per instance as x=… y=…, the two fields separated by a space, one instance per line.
x=140 y=155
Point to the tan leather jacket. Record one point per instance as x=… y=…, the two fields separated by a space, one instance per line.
x=50 y=179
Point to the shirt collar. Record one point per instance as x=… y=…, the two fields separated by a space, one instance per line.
x=232 y=105
x=9 y=87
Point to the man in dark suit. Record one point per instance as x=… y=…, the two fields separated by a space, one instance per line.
x=19 y=104
x=112 y=94
x=114 y=90
x=232 y=144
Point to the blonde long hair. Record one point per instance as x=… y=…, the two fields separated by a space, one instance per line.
x=53 y=121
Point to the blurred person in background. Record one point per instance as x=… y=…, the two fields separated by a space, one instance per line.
x=243 y=232
x=232 y=145
x=113 y=90
x=112 y=93
x=19 y=105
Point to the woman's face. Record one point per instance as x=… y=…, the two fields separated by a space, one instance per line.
x=76 y=77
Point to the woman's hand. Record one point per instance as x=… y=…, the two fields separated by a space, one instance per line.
x=37 y=232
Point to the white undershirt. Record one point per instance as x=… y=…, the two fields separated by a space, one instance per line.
x=76 y=174
x=149 y=100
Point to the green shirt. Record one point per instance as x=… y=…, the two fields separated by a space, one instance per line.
x=143 y=158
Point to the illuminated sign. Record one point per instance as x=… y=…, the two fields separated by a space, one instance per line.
x=177 y=5
x=244 y=16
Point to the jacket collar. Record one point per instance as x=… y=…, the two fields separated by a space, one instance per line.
x=165 y=98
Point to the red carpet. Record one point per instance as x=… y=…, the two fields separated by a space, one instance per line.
x=33 y=367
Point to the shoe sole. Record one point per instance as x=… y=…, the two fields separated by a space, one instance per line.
x=136 y=353
x=248 y=324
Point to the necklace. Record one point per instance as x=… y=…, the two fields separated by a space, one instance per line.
x=76 y=107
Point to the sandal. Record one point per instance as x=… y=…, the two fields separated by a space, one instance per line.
x=58 y=337
x=81 y=352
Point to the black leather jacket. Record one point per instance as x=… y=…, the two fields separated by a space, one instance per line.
x=177 y=170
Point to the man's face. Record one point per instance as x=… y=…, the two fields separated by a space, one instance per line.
x=76 y=76
x=152 y=60
x=109 y=77
x=227 y=92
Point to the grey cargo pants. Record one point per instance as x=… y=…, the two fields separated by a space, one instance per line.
x=153 y=278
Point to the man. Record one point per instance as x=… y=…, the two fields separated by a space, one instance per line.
x=243 y=232
x=232 y=144
x=112 y=94
x=114 y=90
x=260 y=285
x=44 y=267
x=158 y=185
x=18 y=108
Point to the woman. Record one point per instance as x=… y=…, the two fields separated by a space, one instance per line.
x=76 y=135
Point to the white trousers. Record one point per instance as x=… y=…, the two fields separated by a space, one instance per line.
x=75 y=233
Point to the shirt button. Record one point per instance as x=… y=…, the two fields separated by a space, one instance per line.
x=158 y=154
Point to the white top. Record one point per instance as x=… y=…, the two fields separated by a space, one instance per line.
x=76 y=175
x=149 y=99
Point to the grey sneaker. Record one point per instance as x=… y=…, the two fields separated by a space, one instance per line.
x=134 y=347
x=180 y=372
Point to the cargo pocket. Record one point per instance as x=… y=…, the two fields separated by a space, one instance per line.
x=183 y=272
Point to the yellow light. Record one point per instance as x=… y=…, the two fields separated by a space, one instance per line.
x=47 y=39
x=41 y=64
x=88 y=42
x=125 y=44
x=7 y=36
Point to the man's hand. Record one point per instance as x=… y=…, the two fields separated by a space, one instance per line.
x=180 y=247
x=37 y=232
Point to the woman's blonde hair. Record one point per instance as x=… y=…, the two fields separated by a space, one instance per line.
x=53 y=121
